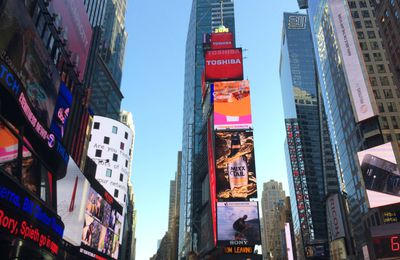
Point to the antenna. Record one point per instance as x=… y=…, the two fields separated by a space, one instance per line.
x=222 y=12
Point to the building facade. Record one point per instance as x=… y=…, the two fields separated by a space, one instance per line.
x=273 y=194
x=310 y=159
x=204 y=18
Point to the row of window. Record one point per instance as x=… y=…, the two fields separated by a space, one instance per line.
x=116 y=193
x=96 y=125
x=385 y=122
x=99 y=152
x=387 y=93
x=391 y=107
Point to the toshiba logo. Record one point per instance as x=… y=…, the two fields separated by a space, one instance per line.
x=223 y=62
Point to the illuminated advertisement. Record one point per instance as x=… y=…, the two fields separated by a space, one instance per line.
x=222 y=41
x=335 y=218
x=240 y=257
x=316 y=251
x=289 y=245
x=102 y=225
x=235 y=165
x=211 y=165
x=77 y=31
x=23 y=52
x=225 y=64
x=232 y=108
x=353 y=67
x=381 y=175
x=61 y=112
x=386 y=246
x=25 y=217
x=238 y=223
x=390 y=214
x=338 y=249
x=72 y=193
x=298 y=175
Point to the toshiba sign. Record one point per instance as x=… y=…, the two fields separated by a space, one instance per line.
x=225 y=64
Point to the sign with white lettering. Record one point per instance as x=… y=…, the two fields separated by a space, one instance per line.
x=224 y=64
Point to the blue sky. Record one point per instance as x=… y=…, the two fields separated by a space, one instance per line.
x=152 y=84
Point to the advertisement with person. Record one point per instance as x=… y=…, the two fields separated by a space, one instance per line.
x=235 y=165
x=232 y=109
x=238 y=223
x=22 y=49
x=222 y=40
x=72 y=193
x=102 y=225
x=381 y=175
x=77 y=31
x=224 y=64
x=61 y=112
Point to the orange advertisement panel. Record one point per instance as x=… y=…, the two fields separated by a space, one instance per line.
x=232 y=109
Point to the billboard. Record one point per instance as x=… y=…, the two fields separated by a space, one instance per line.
x=386 y=241
x=335 y=218
x=381 y=175
x=24 y=54
x=232 y=109
x=225 y=64
x=212 y=177
x=238 y=223
x=61 y=111
x=235 y=165
x=338 y=249
x=77 y=31
x=72 y=193
x=289 y=244
x=355 y=73
x=222 y=41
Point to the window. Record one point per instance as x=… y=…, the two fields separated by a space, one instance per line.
x=374 y=46
x=124 y=197
x=363 y=4
x=392 y=2
x=381 y=68
x=126 y=135
x=355 y=14
x=385 y=124
x=388 y=93
x=377 y=56
x=90 y=137
x=365 y=13
x=358 y=24
x=106 y=139
x=388 y=138
x=108 y=173
x=115 y=130
x=121 y=177
x=392 y=107
x=116 y=193
x=394 y=122
x=368 y=24
x=371 y=34
x=373 y=81
x=381 y=107
x=352 y=4
x=377 y=94
x=360 y=35
x=96 y=125
x=126 y=163
x=367 y=57
x=370 y=69
x=384 y=81
x=122 y=146
x=98 y=153
x=115 y=157
x=363 y=46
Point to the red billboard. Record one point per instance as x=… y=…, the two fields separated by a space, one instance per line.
x=225 y=64
x=222 y=41
x=77 y=30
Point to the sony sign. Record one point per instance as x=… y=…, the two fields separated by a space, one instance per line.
x=335 y=219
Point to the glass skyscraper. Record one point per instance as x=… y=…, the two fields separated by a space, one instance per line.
x=193 y=236
x=310 y=159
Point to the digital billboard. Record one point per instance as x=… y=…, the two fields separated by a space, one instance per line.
x=235 y=165
x=61 y=111
x=224 y=64
x=355 y=71
x=22 y=49
x=77 y=31
x=334 y=217
x=381 y=175
x=238 y=223
x=232 y=109
x=222 y=41
x=338 y=249
x=288 y=240
x=72 y=194
x=386 y=241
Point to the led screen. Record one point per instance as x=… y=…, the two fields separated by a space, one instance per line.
x=222 y=41
x=238 y=223
x=381 y=175
x=387 y=247
x=222 y=65
x=232 y=108
x=235 y=165
x=61 y=112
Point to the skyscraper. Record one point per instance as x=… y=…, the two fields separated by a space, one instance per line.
x=362 y=101
x=311 y=168
x=204 y=17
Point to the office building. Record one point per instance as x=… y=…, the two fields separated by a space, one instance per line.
x=361 y=100
x=204 y=17
x=273 y=194
x=309 y=154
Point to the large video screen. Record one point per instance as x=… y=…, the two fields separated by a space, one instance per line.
x=238 y=223
x=225 y=64
x=222 y=40
x=381 y=175
x=61 y=112
x=235 y=165
x=102 y=225
x=232 y=109
x=22 y=49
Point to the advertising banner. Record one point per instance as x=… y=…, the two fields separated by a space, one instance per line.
x=338 y=249
x=289 y=244
x=232 y=109
x=317 y=250
x=335 y=218
x=61 y=111
x=222 y=41
x=235 y=165
x=72 y=194
x=225 y=64
x=212 y=177
x=390 y=214
x=23 y=52
x=381 y=175
x=386 y=241
x=77 y=31
x=238 y=223
x=357 y=80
